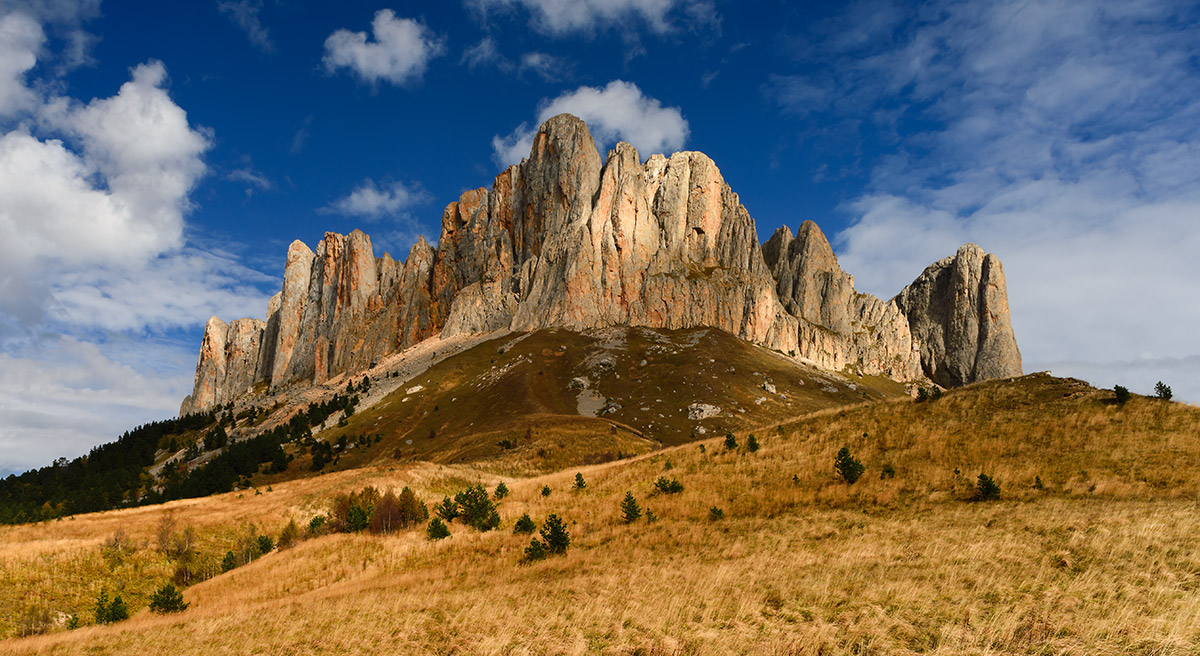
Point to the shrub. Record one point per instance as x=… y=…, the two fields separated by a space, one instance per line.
x=664 y=486
x=555 y=534
x=888 y=471
x=358 y=520
x=524 y=525
x=579 y=482
x=730 y=442
x=107 y=612
x=316 y=525
x=437 y=529
x=715 y=514
x=650 y=516
x=1122 y=393
x=1038 y=484
x=413 y=511
x=1162 y=391
x=447 y=509
x=289 y=536
x=987 y=488
x=630 y=511
x=501 y=490
x=168 y=600
x=265 y=544
x=752 y=443
x=545 y=490
x=922 y=395
x=535 y=551
x=477 y=509
x=702 y=449
x=795 y=479
x=847 y=466
x=386 y=517
x=35 y=620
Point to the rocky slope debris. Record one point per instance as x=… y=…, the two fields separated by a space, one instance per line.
x=565 y=239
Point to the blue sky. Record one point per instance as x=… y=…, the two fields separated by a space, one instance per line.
x=157 y=158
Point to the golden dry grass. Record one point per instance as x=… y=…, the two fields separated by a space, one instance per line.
x=1101 y=560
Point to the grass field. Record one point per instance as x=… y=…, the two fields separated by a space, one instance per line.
x=1100 y=558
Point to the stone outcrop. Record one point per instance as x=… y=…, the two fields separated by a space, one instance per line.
x=566 y=239
x=958 y=312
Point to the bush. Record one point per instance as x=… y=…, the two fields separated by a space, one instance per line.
x=715 y=514
x=630 y=511
x=107 y=612
x=477 y=509
x=730 y=442
x=265 y=544
x=579 y=482
x=664 y=486
x=524 y=525
x=447 y=509
x=752 y=443
x=1122 y=393
x=888 y=471
x=535 y=551
x=987 y=488
x=168 y=600
x=922 y=395
x=555 y=534
x=316 y=525
x=545 y=490
x=1162 y=391
x=289 y=536
x=501 y=491
x=847 y=466
x=437 y=529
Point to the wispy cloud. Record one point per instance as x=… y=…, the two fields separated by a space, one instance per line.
x=1059 y=134
x=372 y=201
x=244 y=14
x=558 y=18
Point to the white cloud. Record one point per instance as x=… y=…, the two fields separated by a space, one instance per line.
x=371 y=201
x=254 y=180
x=485 y=53
x=1059 y=135
x=71 y=395
x=561 y=17
x=20 y=39
x=244 y=14
x=548 y=67
x=616 y=112
x=399 y=52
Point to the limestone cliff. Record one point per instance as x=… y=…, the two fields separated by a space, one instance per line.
x=564 y=239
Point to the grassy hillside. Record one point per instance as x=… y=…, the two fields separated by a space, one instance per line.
x=1100 y=558
x=551 y=399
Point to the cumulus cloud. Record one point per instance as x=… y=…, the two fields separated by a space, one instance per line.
x=617 y=112
x=559 y=18
x=371 y=201
x=398 y=50
x=1059 y=135
x=93 y=252
x=244 y=14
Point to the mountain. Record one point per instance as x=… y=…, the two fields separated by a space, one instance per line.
x=566 y=240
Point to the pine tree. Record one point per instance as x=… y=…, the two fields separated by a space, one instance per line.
x=535 y=551
x=437 y=529
x=524 y=525
x=630 y=511
x=501 y=490
x=847 y=466
x=579 y=482
x=730 y=442
x=168 y=600
x=752 y=444
x=555 y=534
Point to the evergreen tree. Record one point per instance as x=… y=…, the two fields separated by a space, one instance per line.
x=168 y=600
x=752 y=444
x=437 y=529
x=630 y=511
x=1162 y=391
x=535 y=551
x=554 y=533
x=847 y=466
x=524 y=525
x=579 y=482
x=545 y=490
x=501 y=490
x=730 y=442
x=477 y=508
x=1122 y=394
x=447 y=509
x=987 y=488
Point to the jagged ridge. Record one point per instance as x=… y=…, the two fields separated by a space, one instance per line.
x=562 y=240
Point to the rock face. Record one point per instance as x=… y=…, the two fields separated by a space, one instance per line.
x=564 y=239
x=958 y=311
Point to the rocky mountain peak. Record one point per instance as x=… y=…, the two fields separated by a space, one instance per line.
x=565 y=239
